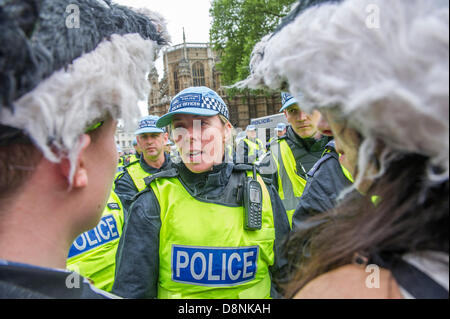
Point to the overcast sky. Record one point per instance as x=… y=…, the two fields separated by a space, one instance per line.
x=193 y=15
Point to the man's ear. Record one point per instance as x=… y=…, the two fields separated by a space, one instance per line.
x=80 y=176
x=228 y=132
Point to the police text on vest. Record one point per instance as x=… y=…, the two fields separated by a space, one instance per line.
x=214 y=266
x=105 y=231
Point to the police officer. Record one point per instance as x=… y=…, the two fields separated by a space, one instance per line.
x=294 y=154
x=193 y=232
x=250 y=148
x=151 y=141
x=280 y=131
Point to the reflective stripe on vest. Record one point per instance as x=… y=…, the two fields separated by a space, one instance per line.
x=205 y=252
x=93 y=253
x=290 y=184
x=137 y=174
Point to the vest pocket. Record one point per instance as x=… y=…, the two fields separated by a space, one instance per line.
x=265 y=239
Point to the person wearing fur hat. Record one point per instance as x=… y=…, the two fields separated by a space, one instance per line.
x=378 y=71
x=65 y=80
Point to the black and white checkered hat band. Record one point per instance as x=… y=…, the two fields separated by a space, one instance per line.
x=197 y=100
x=215 y=105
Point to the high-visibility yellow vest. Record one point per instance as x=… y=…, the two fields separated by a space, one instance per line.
x=137 y=174
x=93 y=253
x=205 y=252
x=254 y=149
x=130 y=159
x=290 y=183
x=229 y=153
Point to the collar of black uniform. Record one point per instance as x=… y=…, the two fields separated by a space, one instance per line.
x=301 y=142
x=217 y=176
x=151 y=169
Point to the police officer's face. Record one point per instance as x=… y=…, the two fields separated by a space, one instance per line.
x=200 y=140
x=251 y=134
x=304 y=124
x=281 y=133
x=152 y=144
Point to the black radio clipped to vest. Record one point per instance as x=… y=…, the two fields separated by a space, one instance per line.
x=252 y=203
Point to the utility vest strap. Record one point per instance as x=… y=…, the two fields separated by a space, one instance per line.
x=173 y=172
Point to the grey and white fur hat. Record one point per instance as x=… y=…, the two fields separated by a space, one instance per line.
x=66 y=63
x=384 y=65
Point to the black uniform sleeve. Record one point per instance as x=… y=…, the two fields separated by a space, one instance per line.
x=137 y=258
x=279 y=268
x=125 y=189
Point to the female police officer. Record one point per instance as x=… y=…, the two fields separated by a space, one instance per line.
x=194 y=232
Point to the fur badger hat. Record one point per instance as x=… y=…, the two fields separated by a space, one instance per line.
x=66 y=63
x=382 y=65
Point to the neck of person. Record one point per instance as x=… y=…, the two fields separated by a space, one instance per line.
x=157 y=161
x=316 y=136
x=26 y=237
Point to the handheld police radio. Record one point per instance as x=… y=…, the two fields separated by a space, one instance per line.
x=252 y=203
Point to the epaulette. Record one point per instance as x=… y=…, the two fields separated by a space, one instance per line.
x=173 y=172
x=132 y=163
x=248 y=167
x=331 y=145
x=322 y=160
x=119 y=175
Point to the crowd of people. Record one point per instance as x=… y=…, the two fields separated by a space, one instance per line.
x=358 y=178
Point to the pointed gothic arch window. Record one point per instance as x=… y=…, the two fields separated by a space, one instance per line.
x=176 y=82
x=198 y=74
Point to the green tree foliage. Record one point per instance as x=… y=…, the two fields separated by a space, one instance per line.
x=237 y=25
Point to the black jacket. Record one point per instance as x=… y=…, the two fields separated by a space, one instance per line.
x=324 y=184
x=21 y=281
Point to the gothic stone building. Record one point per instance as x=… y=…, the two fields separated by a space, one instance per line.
x=193 y=64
